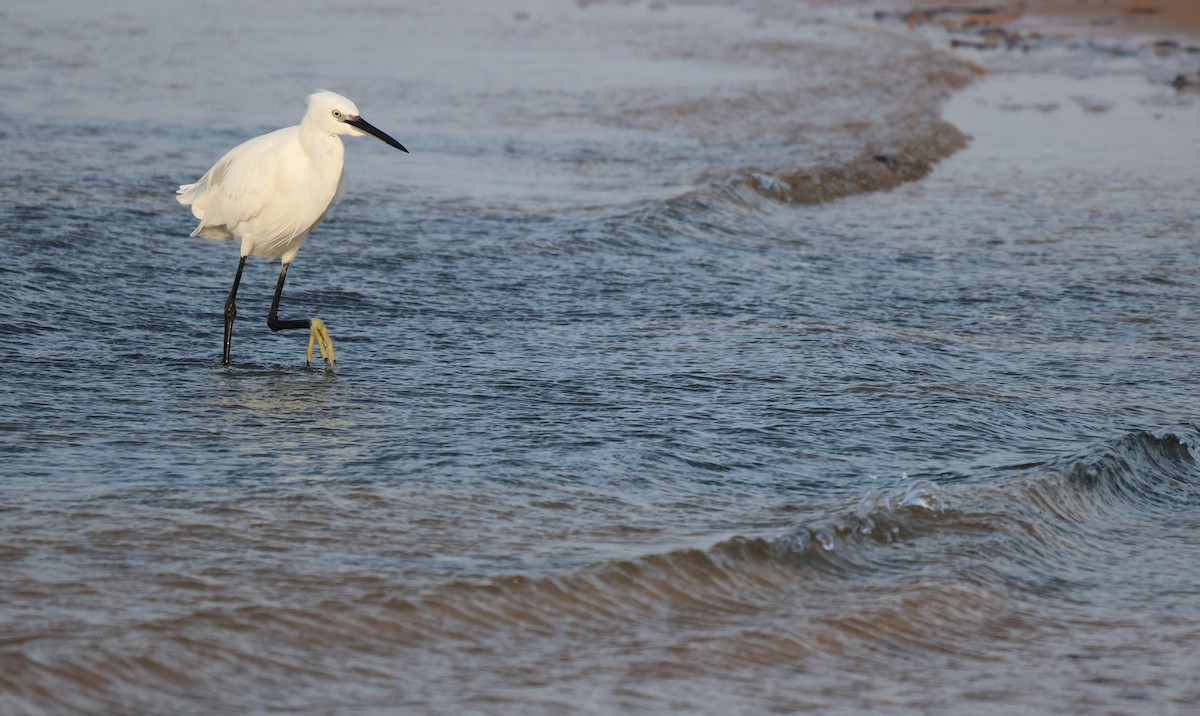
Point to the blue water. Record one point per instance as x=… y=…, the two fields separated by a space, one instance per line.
x=610 y=432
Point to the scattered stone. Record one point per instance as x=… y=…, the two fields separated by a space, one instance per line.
x=1187 y=83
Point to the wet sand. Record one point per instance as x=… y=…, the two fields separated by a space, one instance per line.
x=650 y=401
x=1157 y=39
x=1138 y=16
x=1174 y=16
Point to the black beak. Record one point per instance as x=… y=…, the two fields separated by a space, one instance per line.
x=369 y=128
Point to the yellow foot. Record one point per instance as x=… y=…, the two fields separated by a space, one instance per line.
x=317 y=333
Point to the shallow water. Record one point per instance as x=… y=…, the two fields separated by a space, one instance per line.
x=623 y=422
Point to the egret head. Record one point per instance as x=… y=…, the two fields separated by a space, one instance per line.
x=333 y=112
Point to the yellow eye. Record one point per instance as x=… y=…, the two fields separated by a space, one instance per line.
x=337 y=114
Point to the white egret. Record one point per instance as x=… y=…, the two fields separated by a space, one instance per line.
x=271 y=191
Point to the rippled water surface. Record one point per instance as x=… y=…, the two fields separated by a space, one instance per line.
x=648 y=399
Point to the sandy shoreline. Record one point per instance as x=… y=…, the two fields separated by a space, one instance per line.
x=1077 y=37
x=1173 y=17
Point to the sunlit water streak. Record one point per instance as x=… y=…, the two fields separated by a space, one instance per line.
x=658 y=436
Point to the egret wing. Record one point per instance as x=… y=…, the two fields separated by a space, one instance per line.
x=232 y=191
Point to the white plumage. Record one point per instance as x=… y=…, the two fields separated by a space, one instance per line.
x=271 y=191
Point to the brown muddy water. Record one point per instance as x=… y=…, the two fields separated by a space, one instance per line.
x=676 y=372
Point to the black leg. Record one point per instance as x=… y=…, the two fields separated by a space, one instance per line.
x=318 y=334
x=231 y=310
x=273 y=321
